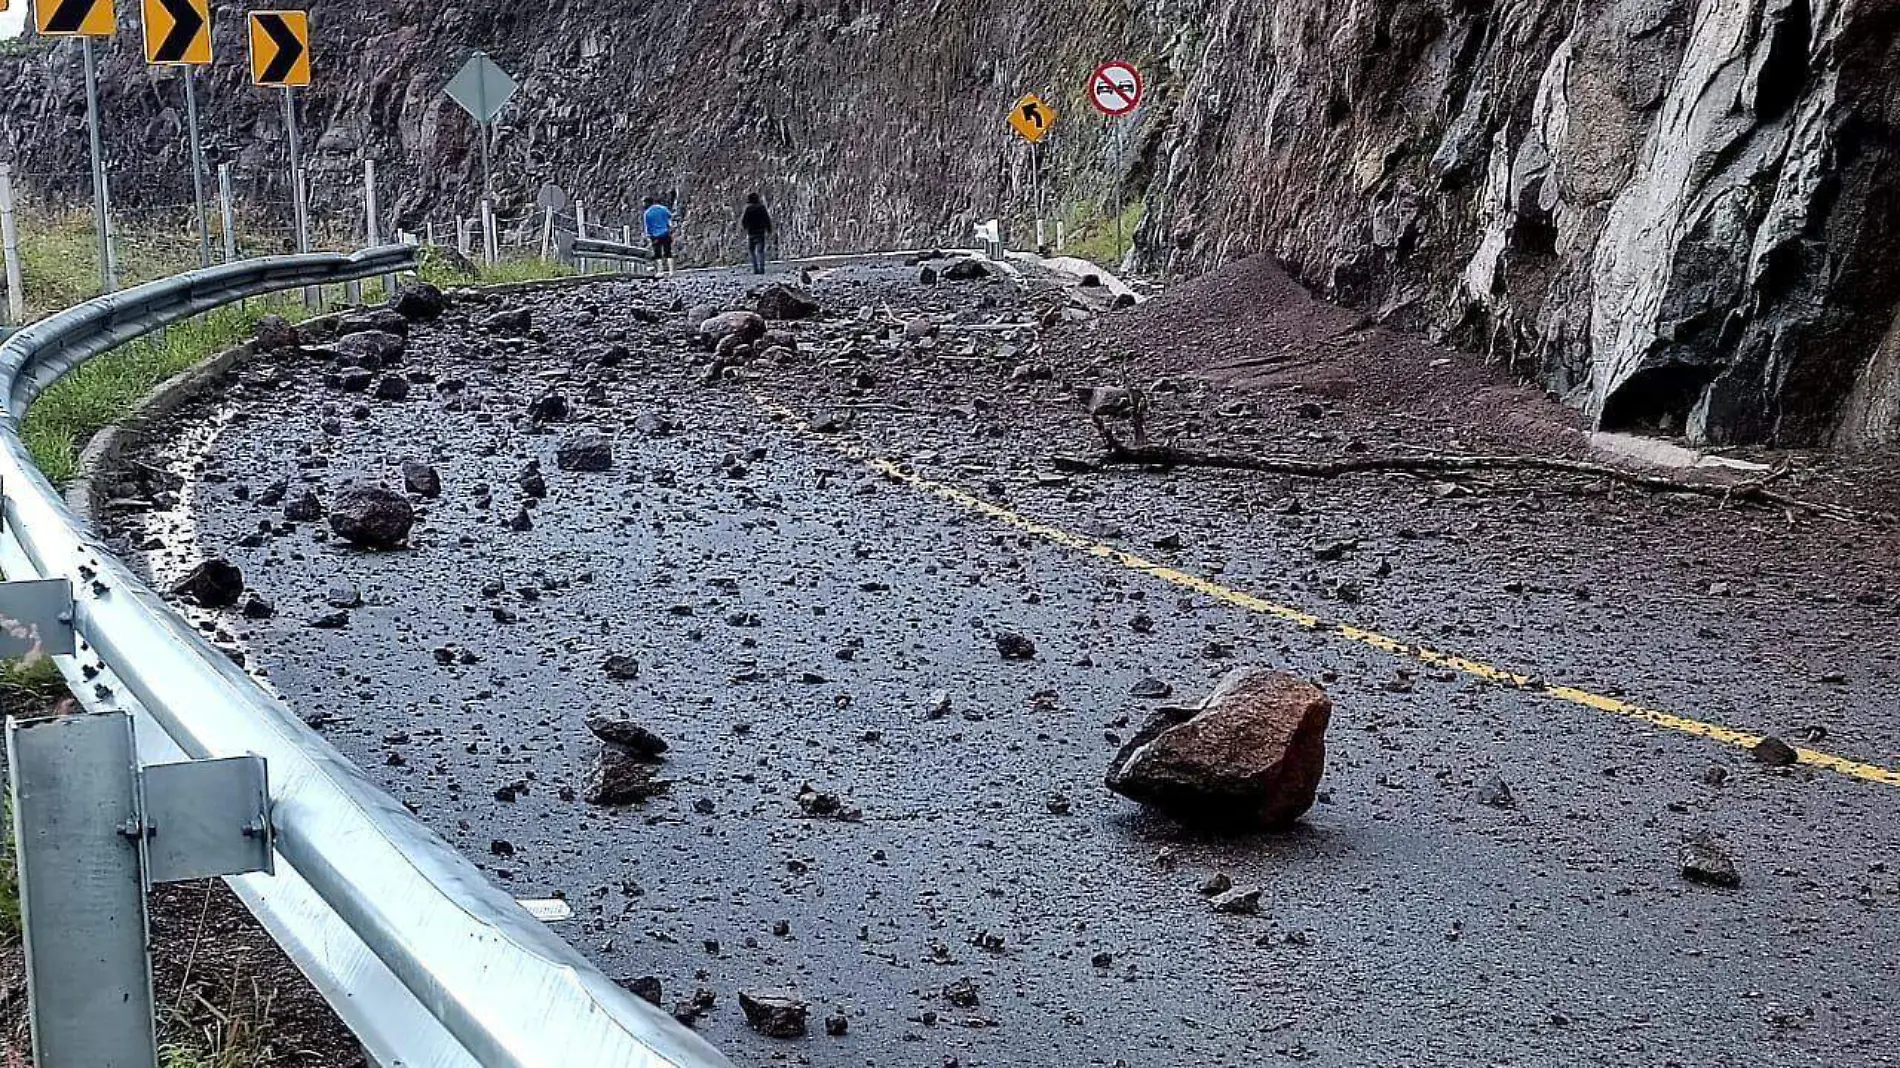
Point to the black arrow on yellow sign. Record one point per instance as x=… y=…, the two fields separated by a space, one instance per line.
x=1033 y=115
x=74 y=18
x=280 y=48
x=189 y=38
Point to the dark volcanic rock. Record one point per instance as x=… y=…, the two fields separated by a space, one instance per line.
x=967 y=270
x=419 y=301
x=371 y=517
x=216 y=583
x=774 y=1014
x=421 y=479
x=549 y=408
x=587 y=451
x=744 y=325
x=628 y=735
x=372 y=349
x=1015 y=646
x=1703 y=860
x=509 y=321
x=1250 y=756
x=304 y=508
x=644 y=987
x=784 y=302
x=275 y=333
x=392 y=388
x=387 y=320
x=1775 y=753
x=619 y=777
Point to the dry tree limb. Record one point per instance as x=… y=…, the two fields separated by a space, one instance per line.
x=1756 y=492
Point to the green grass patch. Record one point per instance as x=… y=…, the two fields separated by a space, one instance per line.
x=447 y=268
x=1092 y=236
x=105 y=389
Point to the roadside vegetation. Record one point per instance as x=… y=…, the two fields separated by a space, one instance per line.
x=1092 y=233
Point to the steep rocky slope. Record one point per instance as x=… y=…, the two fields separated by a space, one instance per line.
x=1679 y=213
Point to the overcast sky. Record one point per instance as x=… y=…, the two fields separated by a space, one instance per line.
x=12 y=21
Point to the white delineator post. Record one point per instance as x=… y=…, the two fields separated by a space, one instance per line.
x=372 y=223
x=547 y=232
x=462 y=236
x=10 y=247
x=227 y=213
x=580 y=230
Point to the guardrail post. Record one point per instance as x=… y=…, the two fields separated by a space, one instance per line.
x=93 y=832
x=373 y=227
x=547 y=232
x=490 y=250
x=10 y=247
x=580 y=232
x=461 y=236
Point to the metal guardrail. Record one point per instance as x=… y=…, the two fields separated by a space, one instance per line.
x=429 y=965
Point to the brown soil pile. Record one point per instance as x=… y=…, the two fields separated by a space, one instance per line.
x=1250 y=328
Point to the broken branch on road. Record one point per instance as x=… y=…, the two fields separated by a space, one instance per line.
x=1164 y=457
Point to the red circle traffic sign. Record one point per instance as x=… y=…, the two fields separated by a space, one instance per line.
x=1115 y=88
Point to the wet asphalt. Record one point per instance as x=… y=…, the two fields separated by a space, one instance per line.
x=799 y=618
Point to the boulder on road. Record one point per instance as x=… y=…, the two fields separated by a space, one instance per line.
x=386 y=320
x=746 y=326
x=303 y=508
x=371 y=517
x=216 y=583
x=509 y=321
x=628 y=735
x=967 y=270
x=274 y=332
x=586 y=451
x=783 y=302
x=419 y=301
x=421 y=479
x=621 y=778
x=371 y=349
x=1249 y=757
x=774 y=1014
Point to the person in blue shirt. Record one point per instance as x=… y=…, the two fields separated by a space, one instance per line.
x=659 y=225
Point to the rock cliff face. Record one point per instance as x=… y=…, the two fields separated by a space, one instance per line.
x=1679 y=213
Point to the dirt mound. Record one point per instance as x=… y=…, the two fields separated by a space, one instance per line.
x=1251 y=328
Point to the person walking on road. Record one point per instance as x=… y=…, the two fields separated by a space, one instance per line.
x=757 y=223
x=659 y=226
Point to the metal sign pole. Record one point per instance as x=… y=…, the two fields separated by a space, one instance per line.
x=297 y=207
x=98 y=164
x=197 y=167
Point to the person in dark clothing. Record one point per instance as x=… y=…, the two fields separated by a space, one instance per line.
x=757 y=223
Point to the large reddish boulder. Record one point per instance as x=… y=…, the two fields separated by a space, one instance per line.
x=1250 y=757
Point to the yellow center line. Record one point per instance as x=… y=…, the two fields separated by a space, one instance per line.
x=1477 y=669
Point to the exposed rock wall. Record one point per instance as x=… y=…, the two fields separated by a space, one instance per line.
x=1679 y=213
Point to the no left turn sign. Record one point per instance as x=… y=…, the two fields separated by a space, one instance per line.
x=1115 y=88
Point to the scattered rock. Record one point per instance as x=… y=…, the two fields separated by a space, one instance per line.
x=963 y=994
x=621 y=667
x=1703 y=860
x=628 y=735
x=549 y=408
x=274 y=333
x=1015 y=646
x=1250 y=756
x=392 y=388
x=837 y=1024
x=744 y=325
x=386 y=320
x=421 y=479
x=619 y=777
x=825 y=806
x=508 y=321
x=783 y=302
x=1495 y=792
x=371 y=349
x=257 y=607
x=1151 y=688
x=342 y=595
x=419 y=301
x=774 y=1014
x=215 y=583
x=1775 y=753
x=1216 y=884
x=967 y=270
x=331 y=621
x=1239 y=902
x=645 y=987
x=920 y=327
x=586 y=451
x=304 y=508
x=371 y=517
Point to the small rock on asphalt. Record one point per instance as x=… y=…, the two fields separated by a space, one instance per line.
x=419 y=301
x=774 y=1014
x=587 y=451
x=1703 y=860
x=619 y=777
x=626 y=734
x=1239 y=902
x=1775 y=753
x=421 y=479
x=1015 y=646
x=1495 y=792
x=215 y=583
x=784 y=302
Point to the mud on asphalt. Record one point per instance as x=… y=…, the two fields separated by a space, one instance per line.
x=801 y=617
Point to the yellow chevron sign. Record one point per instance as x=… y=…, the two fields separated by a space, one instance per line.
x=178 y=32
x=74 y=18
x=280 y=48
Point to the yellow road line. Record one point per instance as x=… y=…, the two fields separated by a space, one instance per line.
x=1464 y=665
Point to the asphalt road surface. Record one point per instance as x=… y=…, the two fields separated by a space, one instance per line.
x=820 y=608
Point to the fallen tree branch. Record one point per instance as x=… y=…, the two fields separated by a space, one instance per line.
x=1757 y=492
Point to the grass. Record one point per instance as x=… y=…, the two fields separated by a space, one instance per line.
x=104 y=390
x=1092 y=235
x=444 y=268
x=25 y=687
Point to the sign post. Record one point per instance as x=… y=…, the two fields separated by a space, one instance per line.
x=280 y=59
x=482 y=89
x=1032 y=119
x=86 y=19
x=1116 y=90
x=178 y=34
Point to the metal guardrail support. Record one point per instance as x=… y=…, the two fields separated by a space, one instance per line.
x=427 y=963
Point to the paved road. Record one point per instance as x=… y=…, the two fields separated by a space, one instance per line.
x=795 y=610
